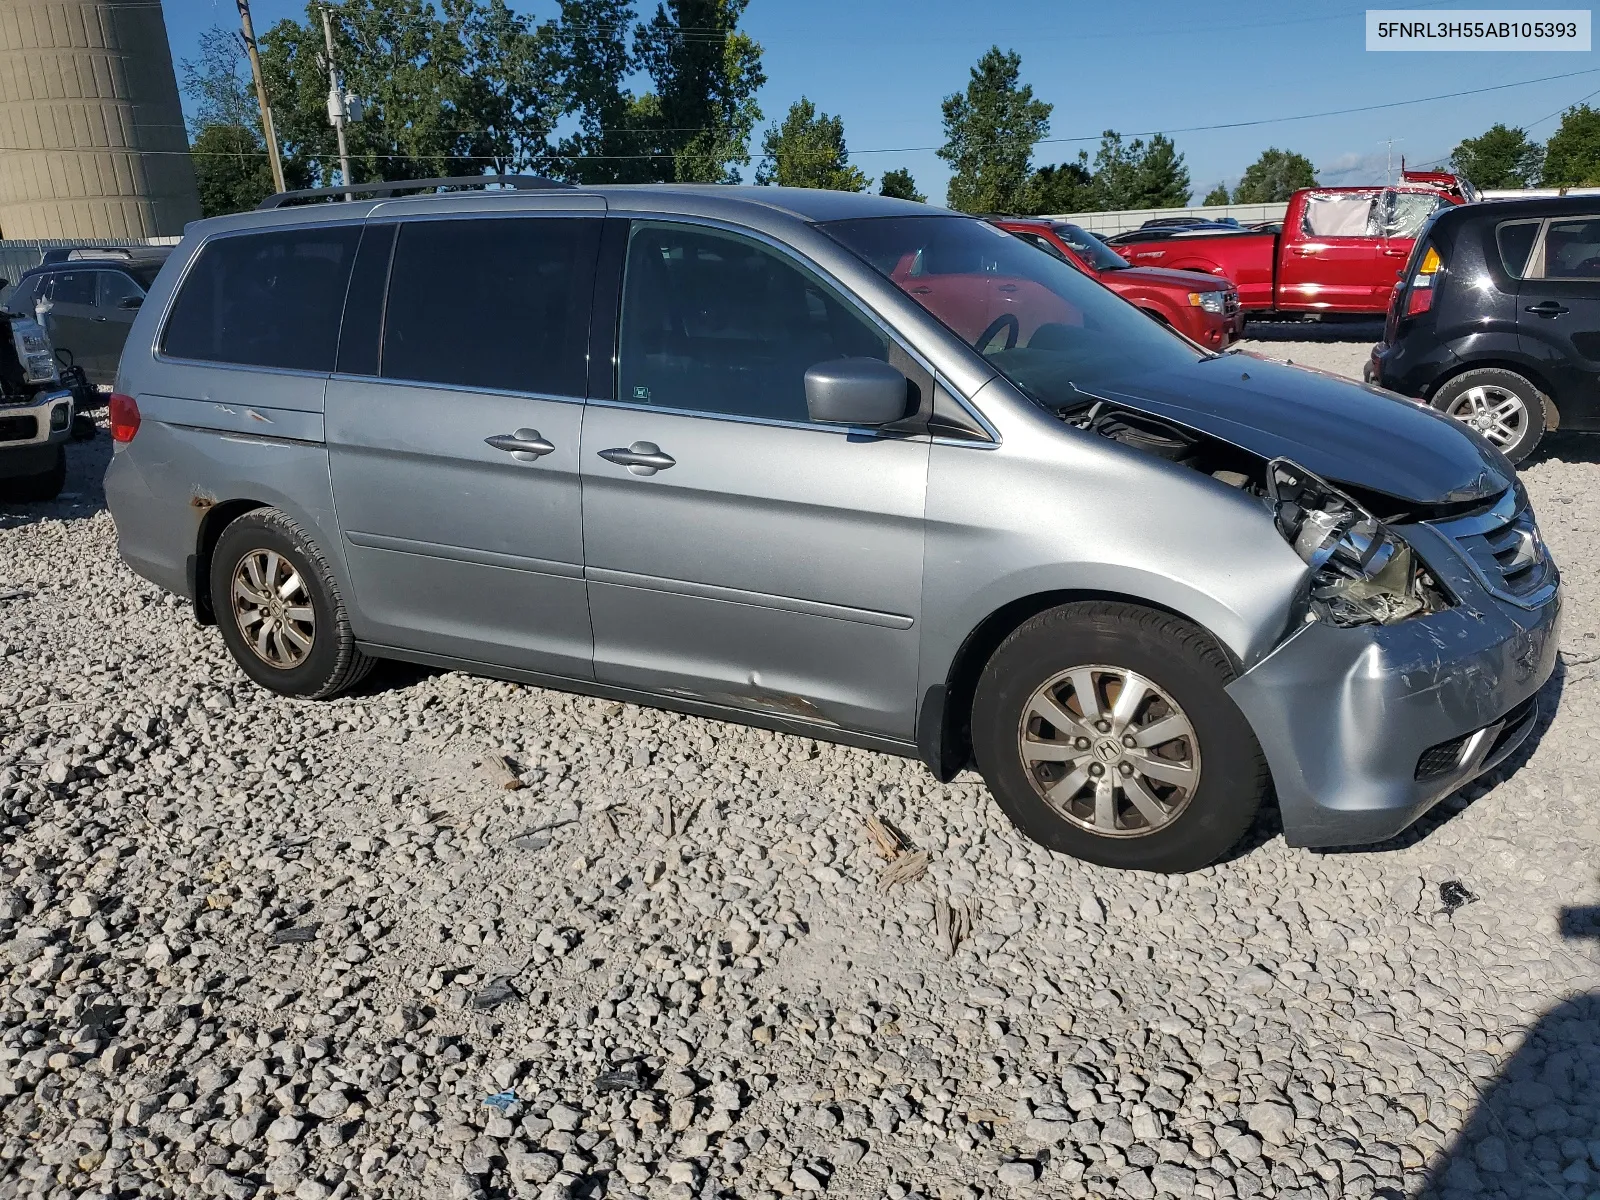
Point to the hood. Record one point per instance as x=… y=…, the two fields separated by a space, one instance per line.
x=1192 y=281
x=1344 y=431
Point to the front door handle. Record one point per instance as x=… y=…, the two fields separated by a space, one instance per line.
x=1548 y=308
x=642 y=458
x=524 y=444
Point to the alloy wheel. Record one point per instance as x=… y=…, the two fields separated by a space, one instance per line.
x=1497 y=413
x=1109 y=750
x=273 y=608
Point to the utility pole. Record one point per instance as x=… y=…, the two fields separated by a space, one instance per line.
x=261 y=95
x=336 y=101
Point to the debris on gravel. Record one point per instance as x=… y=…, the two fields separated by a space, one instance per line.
x=256 y=947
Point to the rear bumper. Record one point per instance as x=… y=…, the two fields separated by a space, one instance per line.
x=1366 y=729
x=1409 y=366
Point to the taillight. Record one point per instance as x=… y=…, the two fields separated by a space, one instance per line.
x=124 y=417
x=1419 y=296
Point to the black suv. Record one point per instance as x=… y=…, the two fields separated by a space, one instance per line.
x=88 y=303
x=1496 y=319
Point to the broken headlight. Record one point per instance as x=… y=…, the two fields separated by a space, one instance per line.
x=1361 y=573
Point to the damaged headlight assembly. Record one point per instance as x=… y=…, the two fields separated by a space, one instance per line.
x=1361 y=572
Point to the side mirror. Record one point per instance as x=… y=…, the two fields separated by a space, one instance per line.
x=130 y=302
x=855 y=391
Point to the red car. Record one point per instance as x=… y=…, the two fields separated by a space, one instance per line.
x=1338 y=251
x=1205 y=310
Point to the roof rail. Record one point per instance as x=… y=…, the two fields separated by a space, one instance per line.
x=388 y=188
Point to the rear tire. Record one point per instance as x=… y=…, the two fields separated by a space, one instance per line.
x=279 y=609
x=1501 y=405
x=1170 y=784
x=32 y=489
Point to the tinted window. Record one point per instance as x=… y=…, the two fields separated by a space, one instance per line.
x=1090 y=248
x=1043 y=243
x=265 y=299
x=1515 y=239
x=1048 y=327
x=72 y=287
x=20 y=298
x=712 y=322
x=116 y=287
x=492 y=303
x=1572 y=248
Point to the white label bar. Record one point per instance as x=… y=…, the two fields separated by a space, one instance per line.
x=1478 y=29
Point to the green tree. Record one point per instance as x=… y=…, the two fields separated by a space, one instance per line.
x=1274 y=177
x=232 y=169
x=1217 y=195
x=449 y=89
x=218 y=84
x=990 y=130
x=1499 y=157
x=1068 y=188
x=808 y=150
x=611 y=144
x=899 y=184
x=706 y=73
x=1139 y=175
x=1572 y=155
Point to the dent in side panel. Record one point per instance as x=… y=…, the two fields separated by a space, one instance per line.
x=162 y=492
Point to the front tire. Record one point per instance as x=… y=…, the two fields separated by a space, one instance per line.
x=46 y=485
x=1501 y=405
x=279 y=609
x=1104 y=732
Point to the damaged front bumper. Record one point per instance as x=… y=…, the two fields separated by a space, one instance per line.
x=1367 y=728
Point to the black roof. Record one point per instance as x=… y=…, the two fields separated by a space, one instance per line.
x=1510 y=210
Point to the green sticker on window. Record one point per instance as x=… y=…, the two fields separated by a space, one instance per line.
x=640 y=392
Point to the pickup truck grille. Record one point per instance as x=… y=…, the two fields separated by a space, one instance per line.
x=1230 y=303
x=1506 y=552
x=19 y=429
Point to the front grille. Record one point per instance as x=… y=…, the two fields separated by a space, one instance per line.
x=1230 y=303
x=19 y=429
x=1505 y=550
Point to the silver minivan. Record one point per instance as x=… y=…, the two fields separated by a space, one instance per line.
x=838 y=465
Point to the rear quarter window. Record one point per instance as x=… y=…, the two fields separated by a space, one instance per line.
x=265 y=299
x=1515 y=240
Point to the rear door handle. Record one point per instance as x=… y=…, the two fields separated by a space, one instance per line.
x=524 y=444
x=642 y=458
x=1547 y=308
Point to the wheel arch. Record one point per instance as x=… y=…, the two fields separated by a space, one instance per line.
x=217 y=518
x=944 y=716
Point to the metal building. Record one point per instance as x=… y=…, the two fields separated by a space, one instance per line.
x=92 y=142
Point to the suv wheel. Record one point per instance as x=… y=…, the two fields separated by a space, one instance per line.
x=1501 y=405
x=1104 y=732
x=279 y=609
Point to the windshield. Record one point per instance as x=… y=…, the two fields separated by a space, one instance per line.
x=1091 y=249
x=1045 y=326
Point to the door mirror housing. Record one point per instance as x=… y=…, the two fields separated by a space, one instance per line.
x=856 y=391
x=130 y=302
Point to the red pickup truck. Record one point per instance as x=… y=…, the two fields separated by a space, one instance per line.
x=1339 y=251
x=1205 y=310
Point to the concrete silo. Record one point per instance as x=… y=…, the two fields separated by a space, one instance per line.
x=92 y=142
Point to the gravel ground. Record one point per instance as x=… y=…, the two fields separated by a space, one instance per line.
x=256 y=947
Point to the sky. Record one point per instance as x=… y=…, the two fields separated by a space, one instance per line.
x=1138 y=66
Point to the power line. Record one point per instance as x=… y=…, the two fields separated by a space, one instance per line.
x=1334 y=112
